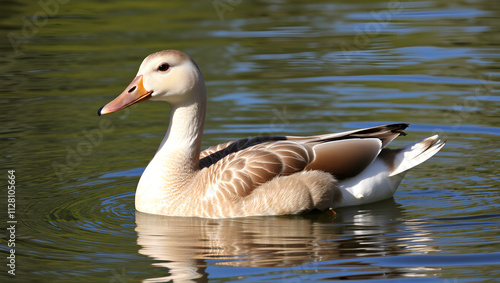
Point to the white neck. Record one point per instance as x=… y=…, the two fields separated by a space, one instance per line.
x=180 y=149
x=178 y=154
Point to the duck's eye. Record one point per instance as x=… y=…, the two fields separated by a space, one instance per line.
x=163 y=67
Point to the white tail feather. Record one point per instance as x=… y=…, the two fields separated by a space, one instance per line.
x=414 y=154
x=381 y=179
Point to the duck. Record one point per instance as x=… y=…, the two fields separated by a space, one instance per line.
x=256 y=176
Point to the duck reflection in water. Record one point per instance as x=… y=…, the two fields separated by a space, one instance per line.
x=183 y=245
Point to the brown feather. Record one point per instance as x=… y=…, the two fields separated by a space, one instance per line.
x=345 y=158
x=239 y=167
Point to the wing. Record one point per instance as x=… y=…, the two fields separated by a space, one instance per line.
x=347 y=154
x=213 y=154
x=237 y=174
x=385 y=134
x=236 y=168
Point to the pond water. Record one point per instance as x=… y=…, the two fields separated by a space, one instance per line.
x=277 y=67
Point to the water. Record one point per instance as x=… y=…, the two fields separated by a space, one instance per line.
x=272 y=67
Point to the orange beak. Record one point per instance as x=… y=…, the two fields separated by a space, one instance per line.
x=135 y=92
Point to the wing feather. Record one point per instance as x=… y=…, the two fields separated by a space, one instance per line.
x=236 y=168
x=244 y=170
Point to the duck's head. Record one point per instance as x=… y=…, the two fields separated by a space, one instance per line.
x=168 y=75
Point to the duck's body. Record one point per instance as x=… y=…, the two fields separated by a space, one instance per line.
x=261 y=175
